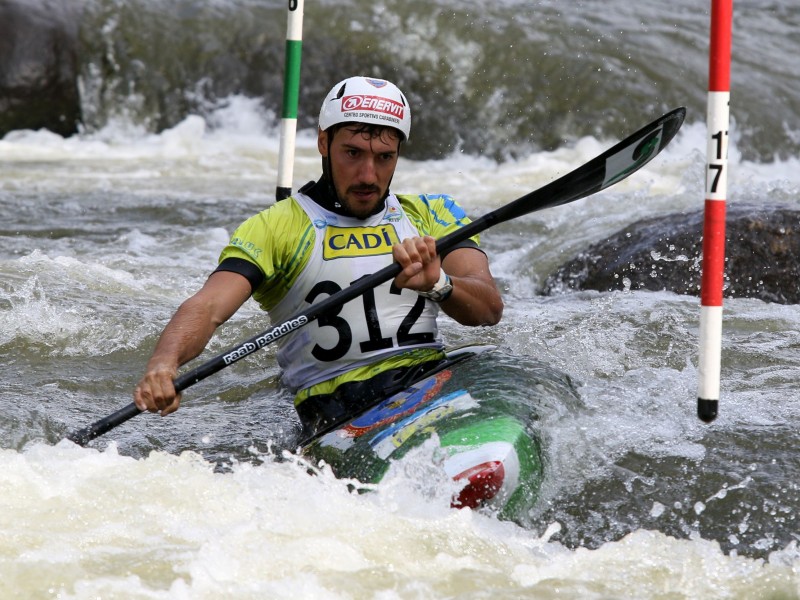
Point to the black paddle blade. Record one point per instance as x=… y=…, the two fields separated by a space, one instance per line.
x=615 y=164
x=612 y=166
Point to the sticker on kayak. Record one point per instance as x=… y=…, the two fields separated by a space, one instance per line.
x=390 y=439
x=398 y=406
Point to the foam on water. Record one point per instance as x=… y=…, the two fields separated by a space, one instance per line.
x=238 y=136
x=63 y=303
x=83 y=523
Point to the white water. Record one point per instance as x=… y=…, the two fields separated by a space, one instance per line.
x=83 y=523
x=99 y=525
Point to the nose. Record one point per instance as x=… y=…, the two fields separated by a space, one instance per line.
x=367 y=171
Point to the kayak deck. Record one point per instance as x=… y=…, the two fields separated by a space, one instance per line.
x=492 y=452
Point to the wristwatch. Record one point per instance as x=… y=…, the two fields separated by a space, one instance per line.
x=441 y=290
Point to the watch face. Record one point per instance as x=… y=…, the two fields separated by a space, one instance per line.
x=440 y=291
x=439 y=295
x=445 y=292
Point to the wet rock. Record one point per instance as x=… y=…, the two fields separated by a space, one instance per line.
x=762 y=251
x=39 y=65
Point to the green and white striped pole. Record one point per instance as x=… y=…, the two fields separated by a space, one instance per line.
x=291 y=93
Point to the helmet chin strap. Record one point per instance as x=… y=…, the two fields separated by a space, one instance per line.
x=327 y=174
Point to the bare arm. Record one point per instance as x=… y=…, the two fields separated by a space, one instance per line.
x=475 y=299
x=185 y=337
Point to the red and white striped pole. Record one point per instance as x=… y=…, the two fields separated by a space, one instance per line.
x=717 y=119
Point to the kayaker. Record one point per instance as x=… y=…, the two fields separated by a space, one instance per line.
x=304 y=248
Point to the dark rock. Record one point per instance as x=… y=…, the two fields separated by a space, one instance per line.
x=762 y=256
x=39 y=65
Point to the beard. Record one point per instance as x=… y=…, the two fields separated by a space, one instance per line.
x=359 y=208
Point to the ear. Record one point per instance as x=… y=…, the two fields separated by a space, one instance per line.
x=322 y=143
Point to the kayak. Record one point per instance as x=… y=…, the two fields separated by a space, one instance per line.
x=486 y=443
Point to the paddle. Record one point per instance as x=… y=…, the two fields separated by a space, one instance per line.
x=614 y=165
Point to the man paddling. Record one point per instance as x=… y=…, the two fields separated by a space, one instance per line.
x=332 y=232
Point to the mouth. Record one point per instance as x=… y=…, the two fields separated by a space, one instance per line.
x=365 y=193
x=361 y=201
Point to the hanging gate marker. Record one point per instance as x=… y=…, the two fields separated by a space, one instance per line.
x=291 y=93
x=711 y=285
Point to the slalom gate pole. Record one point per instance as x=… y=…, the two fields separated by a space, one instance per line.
x=291 y=93
x=717 y=119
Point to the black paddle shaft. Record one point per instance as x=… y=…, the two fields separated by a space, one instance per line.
x=615 y=164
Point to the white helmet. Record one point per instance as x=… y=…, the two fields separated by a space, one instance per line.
x=366 y=100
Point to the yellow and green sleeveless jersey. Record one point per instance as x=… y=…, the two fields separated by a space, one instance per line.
x=280 y=241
